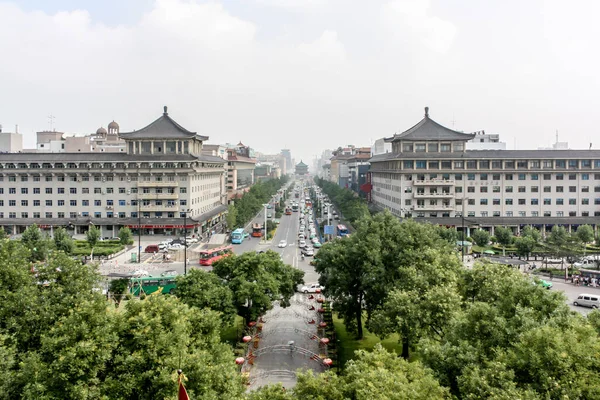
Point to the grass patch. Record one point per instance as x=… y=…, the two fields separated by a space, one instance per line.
x=347 y=344
x=231 y=334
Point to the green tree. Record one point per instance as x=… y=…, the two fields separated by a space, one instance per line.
x=585 y=234
x=202 y=289
x=231 y=217
x=93 y=236
x=256 y=280
x=117 y=289
x=35 y=241
x=62 y=240
x=481 y=237
x=531 y=232
x=3 y=234
x=525 y=245
x=125 y=236
x=448 y=234
x=504 y=236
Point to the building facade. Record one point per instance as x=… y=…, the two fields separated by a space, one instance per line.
x=10 y=142
x=301 y=168
x=431 y=175
x=161 y=180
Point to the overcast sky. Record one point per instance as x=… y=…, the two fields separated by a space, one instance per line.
x=304 y=74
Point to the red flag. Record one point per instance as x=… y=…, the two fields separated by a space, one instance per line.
x=182 y=395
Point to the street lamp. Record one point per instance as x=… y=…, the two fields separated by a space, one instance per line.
x=265 y=206
x=185 y=213
x=139 y=214
x=462 y=244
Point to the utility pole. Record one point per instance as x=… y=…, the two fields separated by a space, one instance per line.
x=139 y=232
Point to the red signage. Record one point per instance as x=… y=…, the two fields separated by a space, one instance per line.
x=161 y=226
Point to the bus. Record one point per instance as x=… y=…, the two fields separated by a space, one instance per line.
x=257 y=230
x=209 y=256
x=151 y=284
x=237 y=236
x=295 y=207
x=342 y=231
x=288 y=211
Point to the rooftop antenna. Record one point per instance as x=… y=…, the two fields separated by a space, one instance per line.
x=51 y=121
x=557 y=136
x=453 y=121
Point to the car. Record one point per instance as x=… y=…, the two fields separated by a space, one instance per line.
x=269 y=206
x=269 y=215
x=587 y=300
x=314 y=240
x=170 y=272
x=317 y=244
x=282 y=244
x=302 y=244
x=276 y=221
x=162 y=247
x=545 y=284
x=176 y=246
x=138 y=273
x=312 y=288
x=309 y=252
x=191 y=239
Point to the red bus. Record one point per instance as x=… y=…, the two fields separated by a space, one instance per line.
x=257 y=230
x=209 y=256
x=288 y=211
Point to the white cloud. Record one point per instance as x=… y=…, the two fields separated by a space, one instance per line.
x=409 y=21
x=294 y=5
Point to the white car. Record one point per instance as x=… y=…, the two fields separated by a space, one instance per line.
x=282 y=244
x=315 y=240
x=138 y=273
x=312 y=288
x=176 y=246
x=191 y=239
x=302 y=244
x=309 y=252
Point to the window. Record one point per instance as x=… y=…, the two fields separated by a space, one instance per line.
x=471 y=189
x=97 y=203
x=24 y=190
x=585 y=202
x=522 y=189
x=535 y=189
x=496 y=213
x=182 y=190
x=572 y=177
x=585 y=189
x=48 y=203
x=471 y=164
x=508 y=202
x=24 y=215
x=585 y=177
x=445 y=148
x=407 y=147
x=420 y=147
x=547 y=213
x=586 y=163
x=36 y=190
x=547 y=202
x=496 y=177
x=560 y=189
x=572 y=213
x=484 y=213
x=483 y=177
x=496 y=189
x=12 y=190
x=535 y=177
x=60 y=203
x=484 y=164
x=572 y=202
x=446 y=164
x=97 y=190
x=535 y=214
x=522 y=164
x=559 y=177
x=111 y=202
x=12 y=203
x=420 y=165
x=508 y=189
x=534 y=164
x=60 y=190
x=458 y=189
x=458 y=177
x=597 y=201
x=508 y=177
x=183 y=202
x=36 y=203
x=534 y=202
x=85 y=203
x=573 y=163
x=48 y=190
x=434 y=165
x=122 y=203
x=408 y=164
x=461 y=165
x=459 y=147
x=73 y=190
x=496 y=164
x=496 y=202
x=572 y=189
x=24 y=203
x=509 y=213
x=73 y=203
x=471 y=202
x=110 y=190
x=547 y=177
x=522 y=177
x=560 y=202
x=121 y=190
x=432 y=147
x=483 y=189
x=560 y=163
x=509 y=165
x=471 y=177
x=97 y=214
x=522 y=214
x=548 y=163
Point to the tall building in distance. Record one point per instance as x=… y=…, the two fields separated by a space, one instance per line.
x=287 y=156
x=431 y=174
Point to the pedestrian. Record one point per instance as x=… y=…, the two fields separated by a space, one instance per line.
x=550 y=275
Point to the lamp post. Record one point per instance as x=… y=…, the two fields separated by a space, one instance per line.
x=139 y=232
x=462 y=244
x=265 y=206
x=185 y=213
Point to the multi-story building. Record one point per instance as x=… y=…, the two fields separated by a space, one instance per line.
x=301 y=168
x=104 y=141
x=431 y=175
x=358 y=168
x=161 y=180
x=286 y=165
x=240 y=170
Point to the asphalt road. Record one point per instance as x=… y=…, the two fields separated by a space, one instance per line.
x=571 y=292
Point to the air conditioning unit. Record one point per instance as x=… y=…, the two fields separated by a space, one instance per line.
x=109 y=207
x=128 y=191
x=128 y=203
x=103 y=179
x=128 y=179
x=103 y=192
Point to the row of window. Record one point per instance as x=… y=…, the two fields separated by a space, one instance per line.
x=95 y=215
x=487 y=164
x=507 y=177
x=96 y=190
x=512 y=214
x=97 y=203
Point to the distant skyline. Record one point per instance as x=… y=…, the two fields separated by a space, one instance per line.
x=307 y=75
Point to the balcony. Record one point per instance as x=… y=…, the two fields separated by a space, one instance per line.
x=158 y=184
x=434 y=195
x=435 y=182
x=163 y=207
x=158 y=196
x=436 y=207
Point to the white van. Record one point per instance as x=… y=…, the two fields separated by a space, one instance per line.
x=587 y=300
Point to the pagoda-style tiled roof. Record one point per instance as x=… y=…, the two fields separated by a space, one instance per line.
x=301 y=164
x=164 y=127
x=428 y=130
